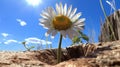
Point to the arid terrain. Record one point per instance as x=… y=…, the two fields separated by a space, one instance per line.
x=105 y=54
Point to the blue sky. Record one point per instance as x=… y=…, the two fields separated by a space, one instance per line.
x=19 y=21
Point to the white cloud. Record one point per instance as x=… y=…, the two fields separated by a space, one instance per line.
x=10 y=41
x=22 y=23
x=30 y=40
x=35 y=40
x=4 y=34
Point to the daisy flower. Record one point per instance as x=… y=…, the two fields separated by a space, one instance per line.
x=63 y=20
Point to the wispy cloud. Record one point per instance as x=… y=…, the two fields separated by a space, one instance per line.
x=5 y=34
x=10 y=41
x=30 y=40
x=35 y=40
x=22 y=23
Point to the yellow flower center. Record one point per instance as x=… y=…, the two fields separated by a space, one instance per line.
x=61 y=22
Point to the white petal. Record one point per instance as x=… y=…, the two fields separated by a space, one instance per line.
x=70 y=35
x=63 y=33
x=80 y=22
x=57 y=8
x=73 y=13
x=48 y=11
x=46 y=24
x=51 y=12
x=45 y=17
x=75 y=33
x=46 y=27
x=69 y=11
x=65 y=9
x=61 y=8
x=41 y=24
x=45 y=14
x=49 y=27
x=48 y=32
x=48 y=14
x=44 y=20
x=76 y=17
x=53 y=34
x=78 y=27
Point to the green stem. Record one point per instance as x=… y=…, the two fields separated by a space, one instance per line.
x=59 y=50
x=108 y=22
x=26 y=47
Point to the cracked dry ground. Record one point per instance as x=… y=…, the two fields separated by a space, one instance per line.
x=105 y=54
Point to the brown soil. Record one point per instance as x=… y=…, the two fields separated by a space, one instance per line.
x=85 y=55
